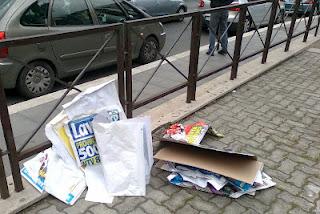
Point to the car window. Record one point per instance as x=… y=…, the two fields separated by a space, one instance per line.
x=132 y=11
x=108 y=11
x=4 y=6
x=70 y=13
x=36 y=14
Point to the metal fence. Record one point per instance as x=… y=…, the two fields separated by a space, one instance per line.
x=123 y=33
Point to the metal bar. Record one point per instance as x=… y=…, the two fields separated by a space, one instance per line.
x=128 y=68
x=160 y=95
x=293 y=21
x=310 y=21
x=34 y=150
x=19 y=41
x=237 y=49
x=5 y=152
x=163 y=58
x=4 y=191
x=194 y=57
x=269 y=31
x=120 y=65
x=9 y=139
x=80 y=75
x=318 y=13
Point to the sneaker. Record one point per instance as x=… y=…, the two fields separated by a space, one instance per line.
x=222 y=52
x=209 y=53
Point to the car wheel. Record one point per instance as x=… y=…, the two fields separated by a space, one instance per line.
x=148 y=50
x=181 y=10
x=36 y=82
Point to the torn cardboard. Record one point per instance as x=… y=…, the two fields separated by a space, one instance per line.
x=239 y=166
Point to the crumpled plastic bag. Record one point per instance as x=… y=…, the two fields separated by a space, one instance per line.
x=64 y=182
x=122 y=150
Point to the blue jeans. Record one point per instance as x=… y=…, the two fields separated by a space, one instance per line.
x=218 y=19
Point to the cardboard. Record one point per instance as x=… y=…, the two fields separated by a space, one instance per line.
x=239 y=166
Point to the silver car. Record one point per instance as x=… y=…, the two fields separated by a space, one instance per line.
x=260 y=14
x=161 y=7
x=62 y=58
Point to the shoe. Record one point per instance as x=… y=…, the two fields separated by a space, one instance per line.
x=209 y=53
x=222 y=52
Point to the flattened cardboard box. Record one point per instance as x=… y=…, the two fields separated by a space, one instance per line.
x=239 y=166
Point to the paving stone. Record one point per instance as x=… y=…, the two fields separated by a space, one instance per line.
x=287 y=166
x=156 y=182
x=252 y=203
x=129 y=204
x=299 y=159
x=298 y=178
x=298 y=201
x=311 y=192
x=220 y=201
x=278 y=155
x=201 y=205
x=187 y=210
x=157 y=195
x=234 y=208
x=178 y=200
x=151 y=207
x=170 y=189
x=81 y=206
x=102 y=209
x=283 y=185
x=297 y=211
x=267 y=196
x=279 y=206
x=52 y=210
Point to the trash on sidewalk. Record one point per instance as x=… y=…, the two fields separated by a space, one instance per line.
x=212 y=170
x=127 y=155
x=76 y=160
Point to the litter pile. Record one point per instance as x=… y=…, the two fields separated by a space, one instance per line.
x=217 y=171
x=94 y=145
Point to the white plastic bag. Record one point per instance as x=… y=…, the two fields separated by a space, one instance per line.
x=64 y=182
x=93 y=100
x=122 y=154
x=97 y=190
x=35 y=169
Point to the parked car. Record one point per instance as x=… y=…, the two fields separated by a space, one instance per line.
x=66 y=57
x=257 y=12
x=161 y=7
x=305 y=6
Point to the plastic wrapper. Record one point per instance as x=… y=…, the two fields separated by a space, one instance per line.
x=123 y=156
x=35 y=169
x=64 y=182
x=190 y=133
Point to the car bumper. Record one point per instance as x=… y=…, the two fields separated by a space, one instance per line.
x=9 y=72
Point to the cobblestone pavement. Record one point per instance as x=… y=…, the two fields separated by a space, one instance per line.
x=277 y=118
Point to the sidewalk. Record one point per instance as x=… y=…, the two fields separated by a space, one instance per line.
x=275 y=117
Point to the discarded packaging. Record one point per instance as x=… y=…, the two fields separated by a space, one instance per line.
x=125 y=152
x=212 y=170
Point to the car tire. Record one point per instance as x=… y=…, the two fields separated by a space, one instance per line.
x=148 y=50
x=32 y=84
x=181 y=10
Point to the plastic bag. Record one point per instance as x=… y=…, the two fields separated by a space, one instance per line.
x=121 y=147
x=64 y=182
x=35 y=169
x=93 y=100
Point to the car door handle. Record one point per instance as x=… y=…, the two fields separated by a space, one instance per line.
x=41 y=47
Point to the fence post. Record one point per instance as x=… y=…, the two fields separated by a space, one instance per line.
x=4 y=191
x=309 y=21
x=318 y=12
x=237 y=48
x=128 y=68
x=194 y=57
x=270 y=29
x=9 y=138
x=293 y=22
x=120 y=64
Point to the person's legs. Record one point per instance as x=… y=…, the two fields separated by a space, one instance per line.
x=214 y=21
x=223 y=24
